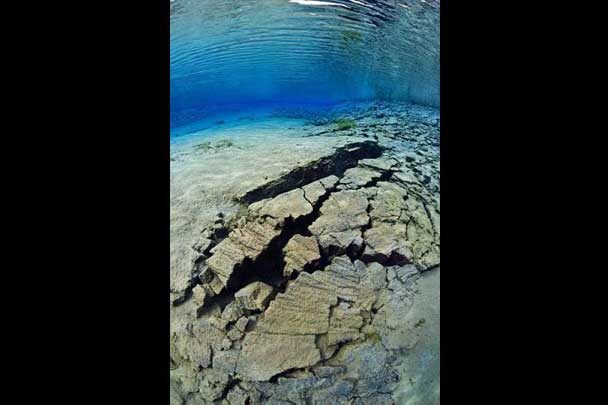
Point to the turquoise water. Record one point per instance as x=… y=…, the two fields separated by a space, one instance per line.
x=232 y=56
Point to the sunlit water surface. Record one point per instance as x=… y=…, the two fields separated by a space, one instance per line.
x=234 y=55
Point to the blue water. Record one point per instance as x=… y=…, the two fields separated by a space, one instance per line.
x=231 y=56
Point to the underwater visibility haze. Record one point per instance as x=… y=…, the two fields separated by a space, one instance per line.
x=304 y=202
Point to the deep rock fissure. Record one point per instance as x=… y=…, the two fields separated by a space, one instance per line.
x=268 y=268
x=343 y=158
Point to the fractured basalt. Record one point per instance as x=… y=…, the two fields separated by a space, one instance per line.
x=339 y=225
x=348 y=249
x=266 y=221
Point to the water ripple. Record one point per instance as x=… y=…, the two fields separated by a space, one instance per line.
x=250 y=50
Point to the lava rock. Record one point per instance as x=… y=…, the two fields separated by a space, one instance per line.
x=300 y=252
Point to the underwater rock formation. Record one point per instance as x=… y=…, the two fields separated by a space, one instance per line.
x=312 y=296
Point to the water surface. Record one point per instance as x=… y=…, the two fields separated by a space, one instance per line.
x=235 y=54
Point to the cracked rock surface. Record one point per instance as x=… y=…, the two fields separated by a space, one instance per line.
x=324 y=289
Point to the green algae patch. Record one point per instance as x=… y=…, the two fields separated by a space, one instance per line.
x=208 y=146
x=344 y=124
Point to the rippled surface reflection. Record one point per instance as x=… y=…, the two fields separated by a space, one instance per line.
x=303 y=51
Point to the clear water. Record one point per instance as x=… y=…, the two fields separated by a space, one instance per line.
x=232 y=55
x=263 y=89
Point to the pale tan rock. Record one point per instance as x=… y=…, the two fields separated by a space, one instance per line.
x=406 y=177
x=373 y=280
x=358 y=177
x=387 y=242
x=180 y=276
x=202 y=245
x=198 y=295
x=242 y=323
x=299 y=252
x=215 y=286
x=290 y=204
x=264 y=356
x=198 y=298
x=383 y=163
x=255 y=236
x=329 y=182
x=218 y=322
x=314 y=191
x=305 y=306
x=243 y=243
x=254 y=296
x=421 y=235
x=342 y=216
x=252 y=237
x=303 y=309
x=195 y=343
x=430 y=259
x=235 y=334
x=343 y=211
x=341 y=278
x=388 y=204
x=345 y=323
x=226 y=256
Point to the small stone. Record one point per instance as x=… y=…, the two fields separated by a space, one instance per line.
x=254 y=296
x=232 y=312
x=226 y=344
x=241 y=324
x=218 y=322
x=235 y=334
